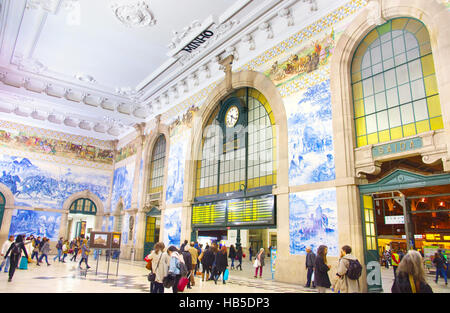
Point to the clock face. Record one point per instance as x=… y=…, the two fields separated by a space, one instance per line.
x=232 y=116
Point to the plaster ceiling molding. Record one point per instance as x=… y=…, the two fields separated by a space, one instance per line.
x=108 y=104
x=178 y=37
x=250 y=41
x=74 y=95
x=55 y=118
x=86 y=125
x=158 y=104
x=12 y=79
x=113 y=126
x=29 y=64
x=232 y=51
x=205 y=68
x=194 y=78
x=71 y=121
x=39 y=115
x=174 y=91
x=166 y=98
x=184 y=86
x=124 y=108
x=22 y=111
x=46 y=5
x=141 y=111
x=314 y=6
x=6 y=107
x=92 y=100
x=287 y=14
x=55 y=91
x=85 y=78
x=100 y=128
x=35 y=85
x=133 y=13
x=266 y=27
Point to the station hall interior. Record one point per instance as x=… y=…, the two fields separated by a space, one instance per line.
x=262 y=124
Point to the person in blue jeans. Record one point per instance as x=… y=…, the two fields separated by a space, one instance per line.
x=44 y=251
x=440 y=267
x=5 y=248
x=59 y=249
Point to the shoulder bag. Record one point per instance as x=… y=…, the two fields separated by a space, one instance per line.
x=152 y=276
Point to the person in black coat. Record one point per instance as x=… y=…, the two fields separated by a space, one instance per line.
x=187 y=257
x=15 y=249
x=239 y=255
x=207 y=262
x=410 y=276
x=321 y=268
x=232 y=255
x=221 y=263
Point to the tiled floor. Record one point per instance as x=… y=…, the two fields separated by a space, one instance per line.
x=132 y=278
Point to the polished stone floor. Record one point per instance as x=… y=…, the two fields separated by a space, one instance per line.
x=132 y=278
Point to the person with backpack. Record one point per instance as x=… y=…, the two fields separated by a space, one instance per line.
x=5 y=248
x=44 y=251
x=59 y=246
x=15 y=249
x=175 y=266
x=187 y=257
x=348 y=272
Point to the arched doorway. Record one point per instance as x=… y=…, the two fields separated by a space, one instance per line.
x=152 y=227
x=81 y=218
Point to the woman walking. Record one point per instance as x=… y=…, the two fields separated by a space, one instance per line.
x=44 y=251
x=239 y=255
x=84 y=254
x=321 y=269
x=232 y=256
x=65 y=250
x=75 y=247
x=410 y=276
x=207 y=261
x=221 y=264
x=174 y=266
x=259 y=260
x=160 y=267
x=15 y=249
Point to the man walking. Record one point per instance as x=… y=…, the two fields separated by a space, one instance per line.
x=395 y=261
x=59 y=249
x=5 y=248
x=310 y=260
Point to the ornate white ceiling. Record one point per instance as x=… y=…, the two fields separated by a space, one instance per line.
x=97 y=68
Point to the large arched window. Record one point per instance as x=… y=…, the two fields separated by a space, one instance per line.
x=83 y=206
x=238 y=147
x=157 y=165
x=395 y=92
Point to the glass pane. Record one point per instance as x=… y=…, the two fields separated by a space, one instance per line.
x=400 y=59
x=386 y=50
x=399 y=45
x=366 y=60
x=369 y=105
x=402 y=74
x=410 y=40
x=415 y=70
x=389 y=77
x=382 y=118
x=394 y=117
x=407 y=113
x=389 y=63
x=371 y=121
x=380 y=101
x=366 y=73
x=392 y=97
x=420 y=110
x=404 y=93
x=413 y=54
x=378 y=82
x=418 y=89
x=367 y=87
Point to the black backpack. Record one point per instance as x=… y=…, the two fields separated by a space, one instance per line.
x=16 y=249
x=354 y=269
x=183 y=269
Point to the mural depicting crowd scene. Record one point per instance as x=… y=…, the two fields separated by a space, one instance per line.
x=310 y=136
x=175 y=177
x=37 y=223
x=127 y=151
x=42 y=184
x=172 y=227
x=305 y=60
x=123 y=185
x=62 y=148
x=313 y=221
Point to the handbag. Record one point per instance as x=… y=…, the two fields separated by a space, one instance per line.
x=169 y=281
x=152 y=276
x=255 y=264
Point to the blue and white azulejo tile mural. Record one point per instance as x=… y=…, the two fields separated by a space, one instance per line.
x=172 y=227
x=38 y=223
x=123 y=185
x=313 y=221
x=310 y=136
x=43 y=184
x=175 y=169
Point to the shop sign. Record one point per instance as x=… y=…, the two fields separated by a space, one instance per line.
x=397 y=147
x=394 y=219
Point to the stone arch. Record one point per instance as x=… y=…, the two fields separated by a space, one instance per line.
x=160 y=129
x=9 y=197
x=436 y=19
x=241 y=79
x=88 y=195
